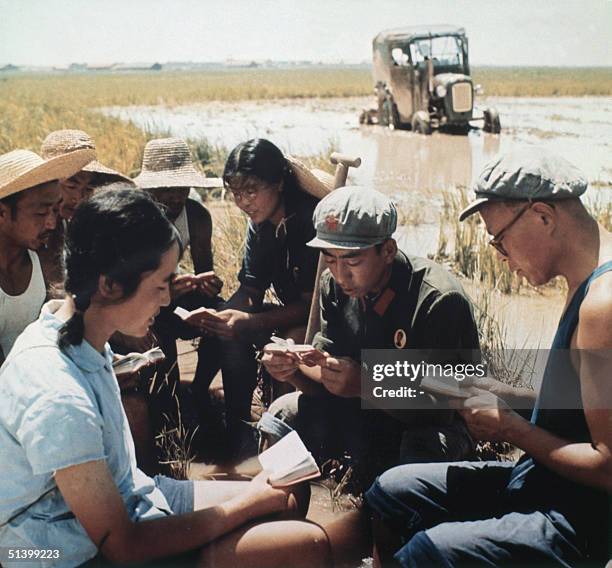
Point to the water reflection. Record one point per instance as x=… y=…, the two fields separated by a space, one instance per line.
x=415 y=163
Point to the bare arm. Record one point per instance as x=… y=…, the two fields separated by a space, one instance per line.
x=92 y=495
x=586 y=463
x=514 y=397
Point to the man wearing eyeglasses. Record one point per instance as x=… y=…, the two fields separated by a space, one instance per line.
x=552 y=506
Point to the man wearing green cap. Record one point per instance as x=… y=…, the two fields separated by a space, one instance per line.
x=552 y=506
x=372 y=297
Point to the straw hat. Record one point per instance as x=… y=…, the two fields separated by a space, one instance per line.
x=66 y=141
x=167 y=163
x=316 y=182
x=22 y=169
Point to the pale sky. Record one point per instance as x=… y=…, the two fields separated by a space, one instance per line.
x=502 y=32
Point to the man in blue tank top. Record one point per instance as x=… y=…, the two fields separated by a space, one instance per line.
x=552 y=506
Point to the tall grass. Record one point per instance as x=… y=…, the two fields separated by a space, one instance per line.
x=464 y=246
x=229 y=230
x=175 y=88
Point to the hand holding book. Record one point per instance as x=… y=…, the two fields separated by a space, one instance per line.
x=288 y=462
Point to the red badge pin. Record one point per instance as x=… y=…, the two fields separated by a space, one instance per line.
x=400 y=339
x=331 y=221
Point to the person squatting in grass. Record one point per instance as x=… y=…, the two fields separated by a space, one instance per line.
x=29 y=196
x=552 y=507
x=168 y=174
x=279 y=196
x=73 y=190
x=69 y=476
x=373 y=296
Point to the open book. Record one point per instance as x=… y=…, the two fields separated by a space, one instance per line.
x=206 y=313
x=134 y=361
x=289 y=462
x=280 y=345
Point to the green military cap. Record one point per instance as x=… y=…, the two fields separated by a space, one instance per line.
x=528 y=174
x=353 y=218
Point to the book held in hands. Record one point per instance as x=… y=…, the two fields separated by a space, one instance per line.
x=289 y=462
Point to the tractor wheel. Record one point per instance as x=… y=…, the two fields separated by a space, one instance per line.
x=394 y=119
x=383 y=117
x=491 y=121
x=421 y=122
x=387 y=113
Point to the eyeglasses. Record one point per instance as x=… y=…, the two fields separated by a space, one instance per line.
x=244 y=194
x=251 y=192
x=496 y=240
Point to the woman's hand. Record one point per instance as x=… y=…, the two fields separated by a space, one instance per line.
x=227 y=324
x=208 y=283
x=263 y=499
x=181 y=284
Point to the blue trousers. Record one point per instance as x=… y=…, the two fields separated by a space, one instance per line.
x=459 y=514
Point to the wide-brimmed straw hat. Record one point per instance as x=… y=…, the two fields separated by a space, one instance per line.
x=167 y=163
x=66 y=141
x=315 y=181
x=23 y=169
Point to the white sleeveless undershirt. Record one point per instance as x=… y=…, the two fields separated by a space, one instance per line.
x=17 y=312
x=182 y=225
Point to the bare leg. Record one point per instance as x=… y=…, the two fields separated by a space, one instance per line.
x=344 y=542
x=341 y=542
x=276 y=543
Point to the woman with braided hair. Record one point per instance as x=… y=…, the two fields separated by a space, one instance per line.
x=70 y=484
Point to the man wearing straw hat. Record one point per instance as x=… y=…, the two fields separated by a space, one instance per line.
x=168 y=174
x=73 y=190
x=29 y=194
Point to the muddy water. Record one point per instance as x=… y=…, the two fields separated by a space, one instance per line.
x=579 y=128
x=413 y=169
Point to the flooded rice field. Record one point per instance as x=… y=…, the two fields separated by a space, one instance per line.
x=412 y=168
x=397 y=161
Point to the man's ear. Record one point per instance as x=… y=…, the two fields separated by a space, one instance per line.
x=109 y=289
x=546 y=214
x=5 y=212
x=389 y=250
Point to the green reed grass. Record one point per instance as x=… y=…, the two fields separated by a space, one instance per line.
x=464 y=245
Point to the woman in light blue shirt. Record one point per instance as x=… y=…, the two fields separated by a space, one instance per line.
x=69 y=483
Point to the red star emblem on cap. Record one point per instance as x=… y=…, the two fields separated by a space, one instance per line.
x=331 y=221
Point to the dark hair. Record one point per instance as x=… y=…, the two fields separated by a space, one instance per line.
x=258 y=158
x=117 y=233
x=11 y=202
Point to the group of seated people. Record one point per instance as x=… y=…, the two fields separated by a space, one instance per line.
x=106 y=260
